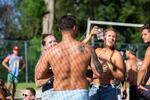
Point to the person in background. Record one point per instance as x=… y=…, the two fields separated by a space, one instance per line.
x=12 y=63
x=29 y=94
x=132 y=66
x=48 y=41
x=144 y=71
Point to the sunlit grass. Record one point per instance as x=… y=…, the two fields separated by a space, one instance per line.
x=25 y=85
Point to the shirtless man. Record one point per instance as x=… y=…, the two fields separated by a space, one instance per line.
x=132 y=66
x=69 y=61
x=48 y=41
x=112 y=62
x=144 y=71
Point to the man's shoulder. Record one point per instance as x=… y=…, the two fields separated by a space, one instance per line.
x=116 y=56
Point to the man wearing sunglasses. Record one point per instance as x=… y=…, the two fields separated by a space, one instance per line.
x=29 y=94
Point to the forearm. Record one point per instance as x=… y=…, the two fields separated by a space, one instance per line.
x=41 y=82
x=116 y=72
x=124 y=85
x=118 y=75
x=140 y=76
x=87 y=38
x=5 y=65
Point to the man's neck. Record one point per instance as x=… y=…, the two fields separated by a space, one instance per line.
x=109 y=48
x=15 y=54
x=133 y=57
x=66 y=35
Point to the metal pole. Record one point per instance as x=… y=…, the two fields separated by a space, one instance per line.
x=115 y=23
x=88 y=27
x=26 y=60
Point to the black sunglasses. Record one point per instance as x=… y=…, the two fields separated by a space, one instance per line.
x=25 y=95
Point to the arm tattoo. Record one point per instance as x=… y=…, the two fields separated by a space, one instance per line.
x=81 y=48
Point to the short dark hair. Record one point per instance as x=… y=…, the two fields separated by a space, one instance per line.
x=146 y=26
x=132 y=49
x=66 y=22
x=32 y=90
x=44 y=36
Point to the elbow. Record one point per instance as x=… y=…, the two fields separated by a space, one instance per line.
x=120 y=77
x=38 y=76
x=3 y=63
x=37 y=84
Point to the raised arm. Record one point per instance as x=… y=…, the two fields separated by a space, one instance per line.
x=93 y=32
x=143 y=68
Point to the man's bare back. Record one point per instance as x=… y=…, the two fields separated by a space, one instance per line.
x=74 y=59
x=69 y=60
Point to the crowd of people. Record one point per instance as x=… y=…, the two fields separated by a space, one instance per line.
x=63 y=67
x=74 y=70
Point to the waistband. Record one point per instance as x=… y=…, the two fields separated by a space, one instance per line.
x=105 y=85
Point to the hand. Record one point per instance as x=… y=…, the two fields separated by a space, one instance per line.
x=94 y=30
x=141 y=88
x=105 y=68
x=124 y=94
x=111 y=67
x=9 y=70
x=105 y=63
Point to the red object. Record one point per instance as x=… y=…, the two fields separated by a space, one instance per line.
x=15 y=48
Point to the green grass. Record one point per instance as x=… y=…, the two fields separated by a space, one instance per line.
x=25 y=85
